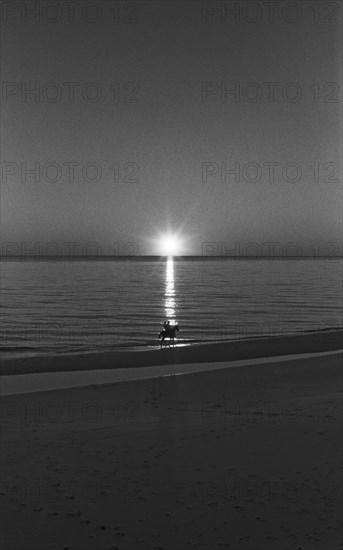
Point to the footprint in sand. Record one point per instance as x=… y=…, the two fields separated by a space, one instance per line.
x=73 y=514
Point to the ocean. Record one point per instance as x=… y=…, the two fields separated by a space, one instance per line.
x=66 y=307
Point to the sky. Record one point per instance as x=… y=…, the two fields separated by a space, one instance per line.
x=132 y=132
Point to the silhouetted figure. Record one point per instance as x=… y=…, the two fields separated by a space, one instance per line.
x=168 y=332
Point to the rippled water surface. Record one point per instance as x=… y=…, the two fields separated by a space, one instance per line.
x=66 y=307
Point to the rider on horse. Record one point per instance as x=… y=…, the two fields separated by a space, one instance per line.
x=168 y=332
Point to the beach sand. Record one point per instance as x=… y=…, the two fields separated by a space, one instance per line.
x=239 y=458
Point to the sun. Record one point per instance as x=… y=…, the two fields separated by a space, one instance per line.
x=170 y=245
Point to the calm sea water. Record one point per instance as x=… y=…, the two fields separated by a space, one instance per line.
x=51 y=308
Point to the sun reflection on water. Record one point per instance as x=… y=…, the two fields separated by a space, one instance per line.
x=169 y=300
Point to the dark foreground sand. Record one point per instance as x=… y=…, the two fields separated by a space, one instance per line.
x=244 y=458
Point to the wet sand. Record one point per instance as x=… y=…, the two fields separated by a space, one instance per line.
x=234 y=350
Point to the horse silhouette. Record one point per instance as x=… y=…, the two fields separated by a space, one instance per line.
x=168 y=332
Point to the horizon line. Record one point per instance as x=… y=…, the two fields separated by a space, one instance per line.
x=161 y=257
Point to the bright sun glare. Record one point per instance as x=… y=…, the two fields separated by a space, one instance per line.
x=170 y=245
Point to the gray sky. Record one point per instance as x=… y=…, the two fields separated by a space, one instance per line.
x=168 y=136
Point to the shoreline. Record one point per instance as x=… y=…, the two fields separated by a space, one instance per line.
x=233 y=350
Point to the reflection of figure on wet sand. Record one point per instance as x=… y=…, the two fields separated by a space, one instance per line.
x=165 y=396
